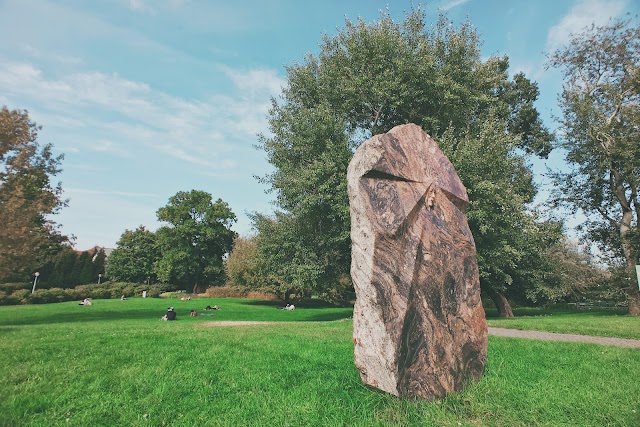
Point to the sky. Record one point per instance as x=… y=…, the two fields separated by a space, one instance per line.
x=146 y=98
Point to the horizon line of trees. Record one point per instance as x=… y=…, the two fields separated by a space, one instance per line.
x=365 y=80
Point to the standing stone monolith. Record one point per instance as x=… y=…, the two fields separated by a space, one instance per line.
x=419 y=327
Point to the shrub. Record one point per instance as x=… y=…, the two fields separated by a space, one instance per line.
x=8 y=288
x=241 y=267
x=21 y=296
x=261 y=295
x=46 y=296
x=102 y=291
x=225 y=292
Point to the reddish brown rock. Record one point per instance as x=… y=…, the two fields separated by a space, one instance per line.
x=419 y=327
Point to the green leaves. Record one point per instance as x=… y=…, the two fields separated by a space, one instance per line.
x=195 y=241
x=28 y=238
x=135 y=257
x=189 y=251
x=367 y=79
x=601 y=128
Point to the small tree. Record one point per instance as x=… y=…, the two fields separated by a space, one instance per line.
x=196 y=241
x=135 y=256
x=241 y=266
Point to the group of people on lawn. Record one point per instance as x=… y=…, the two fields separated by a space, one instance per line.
x=171 y=314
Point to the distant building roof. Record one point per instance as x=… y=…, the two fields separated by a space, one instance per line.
x=94 y=251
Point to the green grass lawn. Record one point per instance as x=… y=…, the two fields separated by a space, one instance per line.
x=606 y=323
x=116 y=364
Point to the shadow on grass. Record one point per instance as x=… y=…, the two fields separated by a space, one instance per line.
x=84 y=316
x=328 y=317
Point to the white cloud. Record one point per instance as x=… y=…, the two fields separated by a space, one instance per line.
x=119 y=109
x=583 y=14
x=255 y=81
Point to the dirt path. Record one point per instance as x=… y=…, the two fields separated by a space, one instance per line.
x=552 y=336
x=499 y=332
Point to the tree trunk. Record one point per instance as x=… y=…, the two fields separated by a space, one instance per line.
x=634 y=304
x=287 y=296
x=501 y=302
x=633 y=294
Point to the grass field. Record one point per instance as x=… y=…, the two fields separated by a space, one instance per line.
x=116 y=364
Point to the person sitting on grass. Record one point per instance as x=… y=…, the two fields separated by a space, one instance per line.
x=194 y=313
x=86 y=301
x=171 y=315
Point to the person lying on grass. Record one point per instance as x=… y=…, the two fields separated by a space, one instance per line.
x=288 y=307
x=195 y=313
x=215 y=307
x=171 y=315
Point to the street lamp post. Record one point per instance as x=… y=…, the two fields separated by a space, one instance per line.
x=35 y=280
x=99 y=277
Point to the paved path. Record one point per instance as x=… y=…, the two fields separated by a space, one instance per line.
x=500 y=332
x=552 y=336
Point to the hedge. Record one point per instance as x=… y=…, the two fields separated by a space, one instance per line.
x=9 y=295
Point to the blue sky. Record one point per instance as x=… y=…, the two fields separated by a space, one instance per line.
x=147 y=98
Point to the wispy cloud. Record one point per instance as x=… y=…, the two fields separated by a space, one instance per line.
x=51 y=56
x=581 y=15
x=450 y=4
x=198 y=131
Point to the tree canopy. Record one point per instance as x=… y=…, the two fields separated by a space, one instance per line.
x=367 y=79
x=28 y=197
x=195 y=242
x=600 y=127
x=134 y=257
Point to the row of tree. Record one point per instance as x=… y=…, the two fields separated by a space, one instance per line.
x=69 y=268
x=367 y=79
x=188 y=251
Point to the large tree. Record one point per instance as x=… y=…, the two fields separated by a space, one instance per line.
x=28 y=197
x=196 y=241
x=600 y=127
x=135 y=256
x=366 y=80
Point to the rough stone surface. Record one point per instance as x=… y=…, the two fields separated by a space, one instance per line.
x=419 y=326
